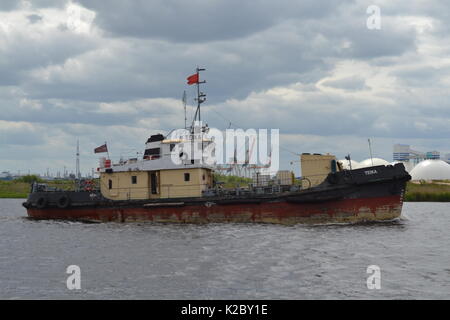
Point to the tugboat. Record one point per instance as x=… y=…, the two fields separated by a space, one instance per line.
x=156 y=188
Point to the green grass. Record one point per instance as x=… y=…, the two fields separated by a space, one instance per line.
x=13 y=189
x=18 y=189
x=428 y=197
x=13 y=195
x=232 y=181
x=432 y=192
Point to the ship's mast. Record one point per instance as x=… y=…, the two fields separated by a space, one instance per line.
x=201 y=97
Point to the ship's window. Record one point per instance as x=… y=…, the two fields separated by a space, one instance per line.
x=134 y=179
x=110 y=184
x=203 y=177
x=152 y=152
x=172 y=145
x=187 y=176
x=192 y=161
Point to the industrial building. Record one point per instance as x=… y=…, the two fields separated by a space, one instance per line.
x=5 y=175
x=423 y=165
x=404 y=153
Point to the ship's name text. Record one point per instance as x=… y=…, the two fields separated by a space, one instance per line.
x=370 y=172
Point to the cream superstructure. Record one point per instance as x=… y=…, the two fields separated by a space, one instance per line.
x=164 y=172
x=315 y=168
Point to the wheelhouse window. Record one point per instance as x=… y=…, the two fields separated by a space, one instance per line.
x=110 y=184
x=153 y=153
x=133 y=179
x=187 y=177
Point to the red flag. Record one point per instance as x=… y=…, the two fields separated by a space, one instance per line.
x=101 y=149
x=193 y=79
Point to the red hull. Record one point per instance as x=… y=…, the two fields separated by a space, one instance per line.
x=339 y=211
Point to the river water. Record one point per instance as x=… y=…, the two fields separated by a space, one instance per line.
x=226 y=261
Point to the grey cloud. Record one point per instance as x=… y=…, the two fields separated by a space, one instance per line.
x=19 y=135
x=147 y=49
x=199 y=21
x=8 y=5
x=51 y=114
x=289 y=51
x=49 y=3
x=350 y=83
x=421 y=76
x=33 y=18
x=370 y=43
x=23 y=55
x=326 y=114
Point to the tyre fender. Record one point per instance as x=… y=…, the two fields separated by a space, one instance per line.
x=41 y=202
x=63 y=202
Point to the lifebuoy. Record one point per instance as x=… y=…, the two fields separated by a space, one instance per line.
x=63 y=202
x=88 y=185
x=41 y=203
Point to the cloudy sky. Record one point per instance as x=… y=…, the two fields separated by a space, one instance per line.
x=115 y=71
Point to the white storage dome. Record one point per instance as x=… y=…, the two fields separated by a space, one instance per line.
x=376 y=162
x=431 y=170
x=408 y=165
x=346 y=166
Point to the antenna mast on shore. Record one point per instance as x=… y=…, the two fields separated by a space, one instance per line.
x=77 y=170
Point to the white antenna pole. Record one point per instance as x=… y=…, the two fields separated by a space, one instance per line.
x=78 y=161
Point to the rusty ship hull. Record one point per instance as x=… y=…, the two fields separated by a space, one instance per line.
x=374 y=194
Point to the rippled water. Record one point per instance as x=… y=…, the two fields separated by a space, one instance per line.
x=226 y=261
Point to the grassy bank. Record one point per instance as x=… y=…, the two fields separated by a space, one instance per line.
x=13 y=189
x=19 y=189
x=431 y=192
